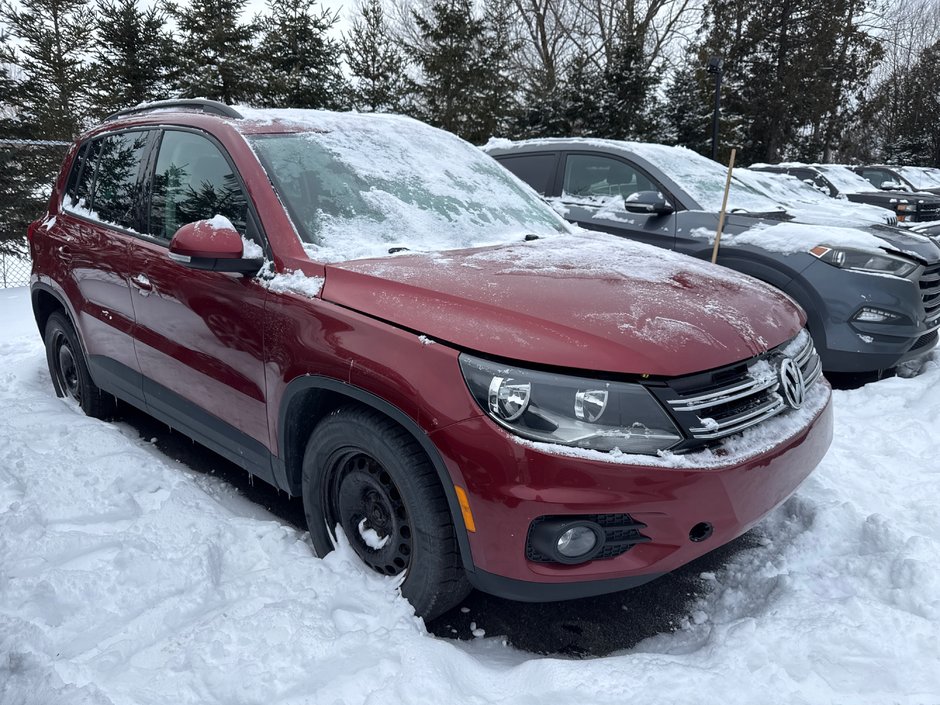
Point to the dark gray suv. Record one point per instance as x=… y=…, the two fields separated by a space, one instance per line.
x=872 y=295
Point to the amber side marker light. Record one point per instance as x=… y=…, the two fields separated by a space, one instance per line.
x=465 y=508
x=819 y=250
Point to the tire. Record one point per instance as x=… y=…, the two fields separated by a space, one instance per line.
x=366 y=473
x=69 y=371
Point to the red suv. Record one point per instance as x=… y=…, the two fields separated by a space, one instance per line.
x=372 y=314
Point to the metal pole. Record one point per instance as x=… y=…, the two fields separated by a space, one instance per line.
x=716 y=113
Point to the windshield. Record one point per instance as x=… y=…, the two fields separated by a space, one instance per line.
x=844 y=179
x=919 y=177
x=368 y=185
x=782 y=187
x=703 y=179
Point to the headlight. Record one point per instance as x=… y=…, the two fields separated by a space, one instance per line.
x=862 y=261
x=574 y=411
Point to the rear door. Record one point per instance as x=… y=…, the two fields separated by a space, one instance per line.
x=100 y=217
x=595 y=189
x=199 y=334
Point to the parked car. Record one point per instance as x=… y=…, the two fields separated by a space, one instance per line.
x=807 y=205
x=901 y=178
x=872 y=296
x=371 y=314
x=839 y=181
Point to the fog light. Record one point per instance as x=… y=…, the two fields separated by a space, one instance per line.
x=875 y=315
x=567 y=541
x=576 y=541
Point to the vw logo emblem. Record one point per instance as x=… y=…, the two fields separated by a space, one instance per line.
x=792 y=384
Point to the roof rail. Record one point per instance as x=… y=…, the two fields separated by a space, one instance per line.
x=212 y=107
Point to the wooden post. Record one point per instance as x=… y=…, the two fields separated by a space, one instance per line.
x=724 y=206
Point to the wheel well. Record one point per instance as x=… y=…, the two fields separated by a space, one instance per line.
x=44 y=305
x=304 y=411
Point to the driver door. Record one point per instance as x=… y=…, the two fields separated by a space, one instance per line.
x=596 y=191
x=199 y=334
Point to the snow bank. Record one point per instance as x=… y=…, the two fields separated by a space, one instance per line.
x=126 y=579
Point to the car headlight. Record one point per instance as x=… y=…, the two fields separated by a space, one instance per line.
x=862 y=261
x=574 y=411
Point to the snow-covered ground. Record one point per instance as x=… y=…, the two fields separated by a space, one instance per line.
x=126 y=578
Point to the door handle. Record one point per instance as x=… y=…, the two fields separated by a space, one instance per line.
x=142 y=284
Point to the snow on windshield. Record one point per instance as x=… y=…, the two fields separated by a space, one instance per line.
x=703 y=179
x=920 y=177
x=360 y=186
x=844 y=179
x=783 y=188
x=808 y=205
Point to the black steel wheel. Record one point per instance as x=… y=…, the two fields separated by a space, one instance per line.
x=366 y=474
x=69 y=371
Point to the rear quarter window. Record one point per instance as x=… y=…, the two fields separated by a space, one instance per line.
x=537 y=170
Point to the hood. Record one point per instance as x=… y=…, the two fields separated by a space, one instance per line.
x=584 y=301
x=794 y=236
x=918 y=246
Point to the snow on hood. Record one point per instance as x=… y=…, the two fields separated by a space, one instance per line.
x=585 y=301
x=790 y=238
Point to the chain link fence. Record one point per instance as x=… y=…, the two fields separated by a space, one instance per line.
x=14 y=270
x=28 y=169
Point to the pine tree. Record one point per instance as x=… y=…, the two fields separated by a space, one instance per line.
x=133 y=55
x=50 y=99
x=466 y=86
x=688 y=107
x=215 y=51
x=499 y=95
x=375 y=62
x=448 y=56
x=300 y=63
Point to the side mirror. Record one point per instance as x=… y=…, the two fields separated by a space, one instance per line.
x=212 y=245
x=648 y=202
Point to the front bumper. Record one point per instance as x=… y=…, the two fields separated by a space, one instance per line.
x=511 y=483
x=851 y=346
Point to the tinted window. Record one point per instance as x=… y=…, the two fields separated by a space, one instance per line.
x=537 y=170
x=82 y=176
x=116 y=188
x=591 y=177
x=193 y=181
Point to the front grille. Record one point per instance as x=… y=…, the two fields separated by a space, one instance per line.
x=927 y=212
x=621 y=533
x=726 y=402
x=930 y=293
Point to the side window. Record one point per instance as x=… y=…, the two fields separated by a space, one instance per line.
x=117 y=187
x=595 y=179
x=537 y=170
x=875 y=177
x=193 y=181
x=82 y=175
